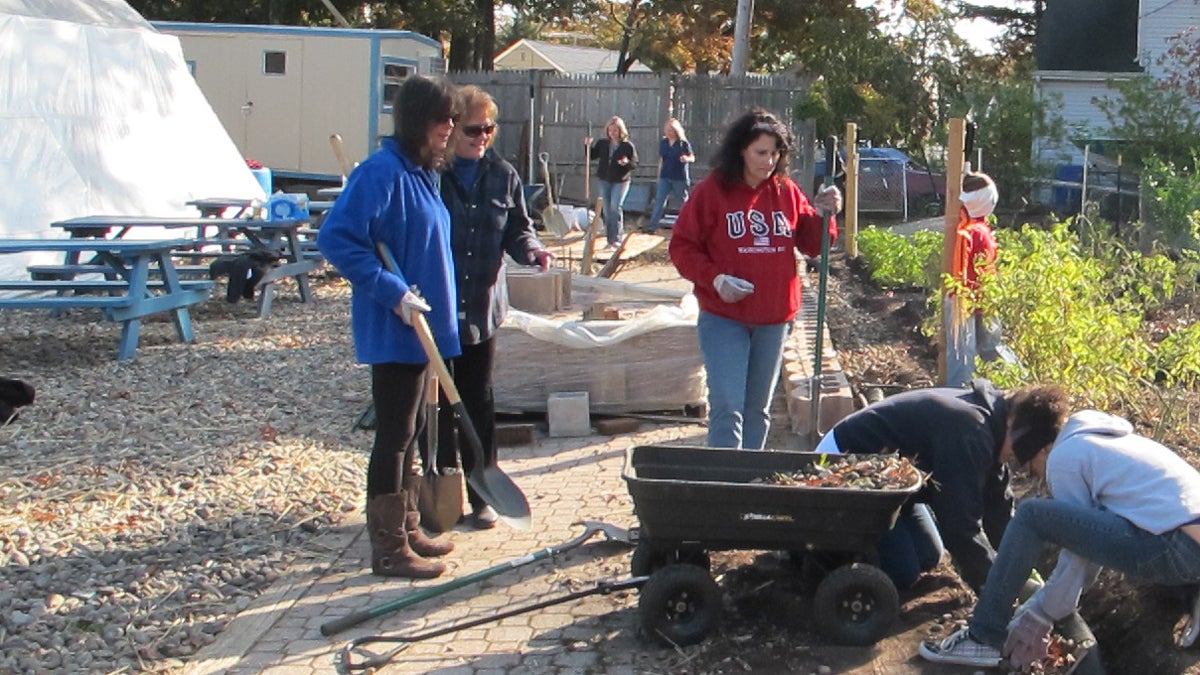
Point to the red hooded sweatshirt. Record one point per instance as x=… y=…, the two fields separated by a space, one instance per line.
x=749 y=233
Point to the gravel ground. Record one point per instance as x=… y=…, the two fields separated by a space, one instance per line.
x=145 y=503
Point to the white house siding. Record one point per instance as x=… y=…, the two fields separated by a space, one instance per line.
x=1073 y=94
x=1158 y=21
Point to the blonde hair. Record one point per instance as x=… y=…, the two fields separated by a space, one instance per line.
x=622 y=131
x=677 y=128
x=471 y=100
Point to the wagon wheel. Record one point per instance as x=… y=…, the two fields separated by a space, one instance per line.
x=647 y=558
x=680 y=604
x=855 y=604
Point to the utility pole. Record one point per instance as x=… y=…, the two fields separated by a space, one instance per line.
x=741 y=37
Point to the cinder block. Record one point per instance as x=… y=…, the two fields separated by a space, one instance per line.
x=535 y=292
x=568 y=414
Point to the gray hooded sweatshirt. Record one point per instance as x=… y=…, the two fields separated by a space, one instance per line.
x=1098 y=462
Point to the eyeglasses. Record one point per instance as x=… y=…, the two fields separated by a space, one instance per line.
x=477 y=130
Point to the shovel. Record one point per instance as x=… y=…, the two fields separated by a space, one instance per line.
x=490 y=482
x=551 y=216
x=610 y=532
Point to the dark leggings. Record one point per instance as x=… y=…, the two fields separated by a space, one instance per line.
x=473 y=376
x=398 y=391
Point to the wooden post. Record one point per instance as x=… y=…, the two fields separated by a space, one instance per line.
x=851 y=196
x=954 y=175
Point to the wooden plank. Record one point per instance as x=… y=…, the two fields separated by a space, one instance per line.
x=67 y=302
x=574 y=248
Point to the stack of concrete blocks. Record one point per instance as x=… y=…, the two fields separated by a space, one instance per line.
x=622 y=364
x=836 y=399
x=657 y=370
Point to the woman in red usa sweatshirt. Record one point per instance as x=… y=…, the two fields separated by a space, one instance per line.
x=735 y=240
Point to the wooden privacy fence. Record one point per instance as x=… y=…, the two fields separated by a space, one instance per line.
x=565 y=109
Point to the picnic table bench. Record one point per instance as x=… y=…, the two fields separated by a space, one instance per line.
x=233 y=236
x=127 y=298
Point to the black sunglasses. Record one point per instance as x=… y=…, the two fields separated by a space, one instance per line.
x=476 y=130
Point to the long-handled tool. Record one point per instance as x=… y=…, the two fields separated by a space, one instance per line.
x=552 y=218
x=372 y=660
x=610 y=532
x=818 y=346
x=339 y=152
x=490 y=482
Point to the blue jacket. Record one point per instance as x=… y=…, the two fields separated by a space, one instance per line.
x=390 y=199
x=488 y=220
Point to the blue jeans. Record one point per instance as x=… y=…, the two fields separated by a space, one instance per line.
x=666 y=189
x=743 y=364
x=1100 y=537
x=911 y=547
x=613 y=195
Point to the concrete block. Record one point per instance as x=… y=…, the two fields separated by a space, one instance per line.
x=533 y=291
x=568 y=414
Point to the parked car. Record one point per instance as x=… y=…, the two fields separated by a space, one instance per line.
x=884 y=174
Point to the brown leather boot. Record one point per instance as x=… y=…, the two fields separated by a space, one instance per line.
x=391 y=556
x=420 y=543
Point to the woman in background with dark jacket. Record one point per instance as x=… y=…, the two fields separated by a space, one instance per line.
x=616 y=158
x=488 y=219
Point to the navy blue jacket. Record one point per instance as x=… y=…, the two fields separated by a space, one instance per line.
x=487 y=221
x=955 y=436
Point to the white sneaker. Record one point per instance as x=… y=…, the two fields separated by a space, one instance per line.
x=960 y=648
x=1185 y=636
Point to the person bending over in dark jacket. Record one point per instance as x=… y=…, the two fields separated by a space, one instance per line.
x=962 y=438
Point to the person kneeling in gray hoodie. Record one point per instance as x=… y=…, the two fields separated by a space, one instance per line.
x=1119 y=500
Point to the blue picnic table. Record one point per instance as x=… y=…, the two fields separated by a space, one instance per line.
x=127 y=297
x=232 y=237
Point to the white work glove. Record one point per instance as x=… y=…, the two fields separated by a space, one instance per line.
x=828 y=199
x=543 y=258
x=1028 y=638
x=411 y=302
x=732 y=289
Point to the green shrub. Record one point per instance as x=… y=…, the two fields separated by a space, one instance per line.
x=1069 y=318
x=1074 y=315
x=897 y=261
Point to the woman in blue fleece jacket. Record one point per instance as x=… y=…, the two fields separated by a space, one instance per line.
x=393 y=198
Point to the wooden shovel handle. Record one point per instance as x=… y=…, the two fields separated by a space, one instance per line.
x=435 y=358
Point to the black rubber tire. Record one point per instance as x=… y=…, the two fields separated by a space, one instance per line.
x=680 y=605
x=856 y=604
x=647 y=559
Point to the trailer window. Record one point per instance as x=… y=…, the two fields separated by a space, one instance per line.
x=393 y=75
x=275 y=63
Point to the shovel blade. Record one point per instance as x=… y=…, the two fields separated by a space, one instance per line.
x=501 y=493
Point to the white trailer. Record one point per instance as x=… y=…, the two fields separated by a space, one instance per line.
x=280 y=91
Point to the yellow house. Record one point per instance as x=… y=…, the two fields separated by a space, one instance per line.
x=564 y=59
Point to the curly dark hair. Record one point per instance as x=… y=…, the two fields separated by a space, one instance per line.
x=1038 y=414
x=422 y=103
x=728 y=162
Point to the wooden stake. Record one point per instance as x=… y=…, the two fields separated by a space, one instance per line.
x=954 y=174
